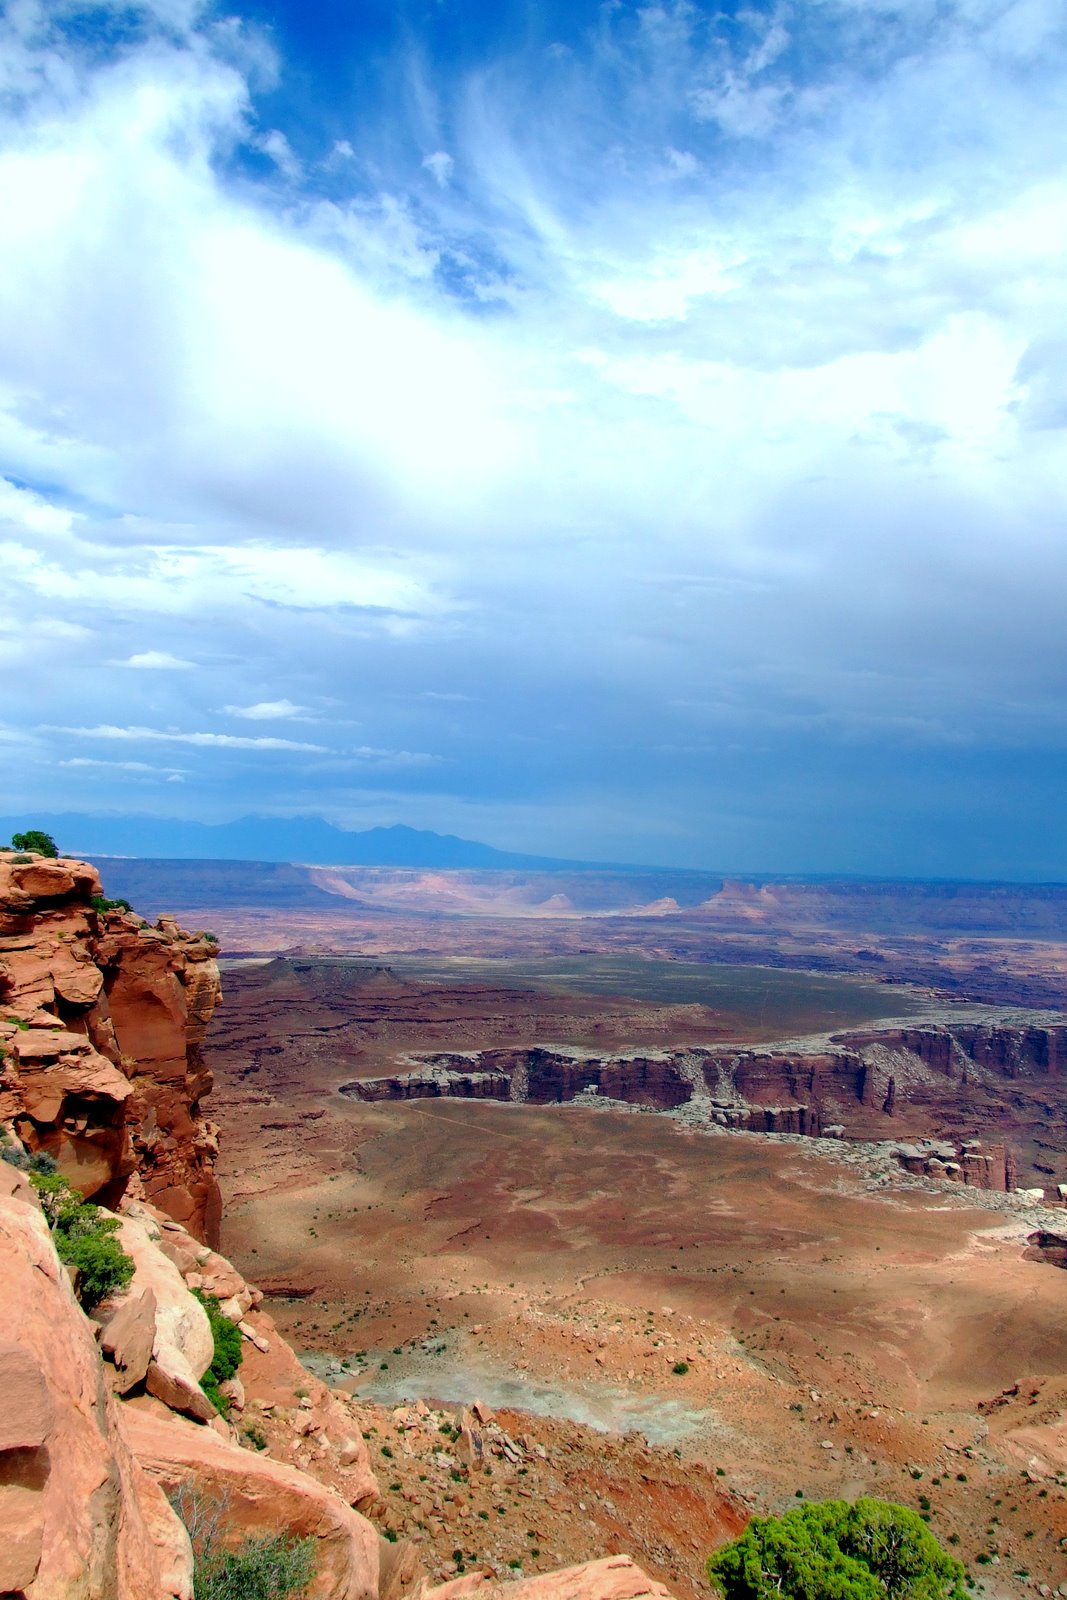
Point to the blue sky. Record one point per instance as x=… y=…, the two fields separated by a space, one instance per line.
x=623 y=431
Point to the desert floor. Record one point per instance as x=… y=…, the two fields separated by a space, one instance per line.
x=747 y=1318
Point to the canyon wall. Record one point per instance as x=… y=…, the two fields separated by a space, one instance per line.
x=932 y=1088
x=102 y=1018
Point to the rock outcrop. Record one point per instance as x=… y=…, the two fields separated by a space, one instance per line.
x=613 y=1578
x=972 y=1163
x=101 y=1022
x=78 y=1514
x=947 y=1082
x=86 y=1478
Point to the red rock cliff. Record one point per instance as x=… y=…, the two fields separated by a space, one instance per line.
x=101 y=1022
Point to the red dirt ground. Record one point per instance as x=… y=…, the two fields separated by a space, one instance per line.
x=836 y=1338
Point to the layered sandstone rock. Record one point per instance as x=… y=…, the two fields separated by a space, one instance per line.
x=972 y=1163
x=946 y=1083
x=158 y=1312
x=78 y=1515
x=101 y=1023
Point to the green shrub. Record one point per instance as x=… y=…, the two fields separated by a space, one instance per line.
x=41 y=844
x=39 y=1162
x=102 y=1264
x=226 y=1337
x=267 y=1567
x=262 y=1569
x=101 y=903
x=867 y=1551
x=83 y=1236
x=680 y=1369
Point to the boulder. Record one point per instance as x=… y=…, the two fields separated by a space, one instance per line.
x=76 y=978
x=233 y=1390
x=181 y=1321
x=43 y=879
x=128 y=1337
x=171 y=1380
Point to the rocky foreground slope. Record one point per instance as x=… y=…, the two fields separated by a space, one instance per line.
x=105 y=1426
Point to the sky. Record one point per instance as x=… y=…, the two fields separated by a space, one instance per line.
x=617 y=431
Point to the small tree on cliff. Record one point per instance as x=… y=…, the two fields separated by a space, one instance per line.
x=42 y=843
x=836 y=1551
x=82 y=1234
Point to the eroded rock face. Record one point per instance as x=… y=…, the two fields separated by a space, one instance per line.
x=78 y=1515
x=261 y=1496
x=101 y=1023
x=612 y=1578
x=949 y=1082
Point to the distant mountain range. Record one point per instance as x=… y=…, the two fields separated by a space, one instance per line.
x=306 y=839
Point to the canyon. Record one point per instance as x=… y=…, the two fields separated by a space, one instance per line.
x=483 y=1179
x=108 y=1432
x=541 y=1290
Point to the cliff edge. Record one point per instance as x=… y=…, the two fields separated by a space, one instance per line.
x=101 y=1022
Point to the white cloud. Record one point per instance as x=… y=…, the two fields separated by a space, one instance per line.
x=23 y=510
x=120 y=766
x=266 y=710
x=394 y=758
x=791 y=332
x=440 y=166
x=155 y=661
x=220 y=741
x=277 y=147
x=161 y=578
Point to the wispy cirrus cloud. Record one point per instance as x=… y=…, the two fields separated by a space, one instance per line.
x=204 y=741
x=123 y=766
